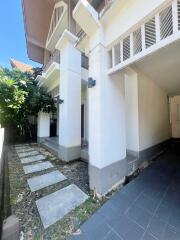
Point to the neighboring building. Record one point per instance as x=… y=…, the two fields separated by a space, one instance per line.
x=113 y=67
x=21 y=66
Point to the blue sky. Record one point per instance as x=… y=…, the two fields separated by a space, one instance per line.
x=12 y=37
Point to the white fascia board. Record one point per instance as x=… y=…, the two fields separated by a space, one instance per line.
x=86 y=16
x=66 y=37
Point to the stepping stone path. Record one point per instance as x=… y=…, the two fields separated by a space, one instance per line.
x=54 y=206
x=32 y=159
x=37 y=167
x=45 y=180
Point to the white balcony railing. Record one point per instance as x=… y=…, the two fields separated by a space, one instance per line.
x=59 y=22
x=142 y=40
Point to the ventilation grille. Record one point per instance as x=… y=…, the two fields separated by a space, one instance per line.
x=150 y=33
x=126 y=48
x=166 y=22
x=178 y=8
x=137 y=41
x=117 y=54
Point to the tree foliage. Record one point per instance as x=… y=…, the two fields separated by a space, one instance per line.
x=21 y=97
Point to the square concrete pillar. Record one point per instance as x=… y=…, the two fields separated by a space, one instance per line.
x=107 y=141
x=70 y=93
x=43 y=126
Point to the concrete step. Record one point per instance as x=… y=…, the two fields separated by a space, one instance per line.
x=52 y=141
x=53 y=147
x=50 y=147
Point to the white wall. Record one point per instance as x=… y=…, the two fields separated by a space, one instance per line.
x=154 y=124
x=175 y=121
x=132 y=112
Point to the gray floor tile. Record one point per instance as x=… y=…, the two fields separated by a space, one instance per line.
x=27 y=154
x=148 y=236
x=100 y=231
x=148 y=208
x=45 y=180
x=37 y=167
x=174 y=218
x=54 y=206
x=171 y=233
x=32 y=159
x=120 y=203
x=112 y=236
x=156 y=227
x=128 y=230
x=108 y=214
x=139 y=215
x=132 y=190
x=147 y=203
x=163 y=212
x=94 y=222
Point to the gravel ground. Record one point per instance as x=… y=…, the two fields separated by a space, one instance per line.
x=23 y=201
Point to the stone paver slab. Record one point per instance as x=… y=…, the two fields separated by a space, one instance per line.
x=20 y=145
x=23 y=150
x=32 y=159
x=45 y=180
x=29 y=153
x=56 y=205
x=37 y=167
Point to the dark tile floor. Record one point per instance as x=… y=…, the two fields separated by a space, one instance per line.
x=148 y=208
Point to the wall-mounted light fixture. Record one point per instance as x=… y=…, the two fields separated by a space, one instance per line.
x=61 y=101
x=91 y=82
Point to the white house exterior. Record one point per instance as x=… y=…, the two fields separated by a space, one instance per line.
x=113 y=67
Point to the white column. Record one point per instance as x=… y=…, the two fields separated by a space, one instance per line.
x=107 y=144
x=43 y=126
x=70 y=93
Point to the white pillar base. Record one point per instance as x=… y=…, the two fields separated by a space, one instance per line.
x=43 y=126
